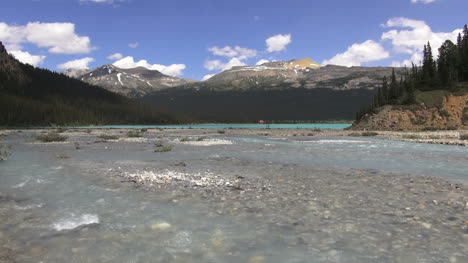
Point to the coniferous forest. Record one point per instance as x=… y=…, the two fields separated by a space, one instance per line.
x=32 y=96
x=448 y=72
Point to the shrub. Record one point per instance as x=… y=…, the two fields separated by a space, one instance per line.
x=185 y=139
x=464 y=137
x=108 y=137
x=144 y=130
x=62 y=156
x=77 y=146
x=432 y=137
x=4 y=154
x=199 y=139
x=355 y=134
x=134 y=134
x=161 y=149
x=369 y=134
x=61 y=130
x=221 y=131
x=51 y=137
x=444 y=113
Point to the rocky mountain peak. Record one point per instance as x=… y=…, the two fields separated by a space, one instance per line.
x=303 y=64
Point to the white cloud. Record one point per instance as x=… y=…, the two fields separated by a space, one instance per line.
x=172 y=70
x=412 y=36
x=59 y=38
x=213 y=65
x=27 y=58
x=357 y=54
x=206 y=77
x=133 y=45
x=423 y=1
x=239 y=52
x=115 y=56
x=278 y=42
x=262 y=61
x=76 y=64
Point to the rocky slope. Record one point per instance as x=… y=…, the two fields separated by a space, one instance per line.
x=135 y=82
x=453 y=114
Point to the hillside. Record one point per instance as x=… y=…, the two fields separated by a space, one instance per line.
x=280 y=91
x=433 y=110
x=31 y=96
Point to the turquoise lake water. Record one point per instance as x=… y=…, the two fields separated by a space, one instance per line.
x=334 y=126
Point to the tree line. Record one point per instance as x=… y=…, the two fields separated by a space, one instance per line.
x=444 y=73
x=32 y=96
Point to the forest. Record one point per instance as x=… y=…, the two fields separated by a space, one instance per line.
x=448 y=72
x=31 y=96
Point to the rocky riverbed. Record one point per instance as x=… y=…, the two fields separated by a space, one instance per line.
x=256 y=196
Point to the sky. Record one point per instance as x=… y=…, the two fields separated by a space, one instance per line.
x=196 y=39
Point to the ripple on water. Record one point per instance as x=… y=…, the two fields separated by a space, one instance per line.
x=74 y=222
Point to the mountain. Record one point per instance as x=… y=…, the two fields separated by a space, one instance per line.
x=32 y=96
x=75 y=73
x=281 y=90
x=134 y=82
x=303 y=73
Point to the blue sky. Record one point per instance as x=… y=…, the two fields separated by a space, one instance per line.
x=193 y=39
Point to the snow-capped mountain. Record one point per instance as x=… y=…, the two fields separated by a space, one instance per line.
x=134 y=82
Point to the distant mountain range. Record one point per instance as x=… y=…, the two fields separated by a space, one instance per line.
x=32 y=96
x=282 y=90
x=134 y=82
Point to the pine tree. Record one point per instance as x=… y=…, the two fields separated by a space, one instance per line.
x=393 y=92
x=428 y=63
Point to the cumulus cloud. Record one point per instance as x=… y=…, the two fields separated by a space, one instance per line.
x=360 y=53
x=262 y=61
x=76 y=64
x=423 y=1
x=115 y=56
x=213 y=65
x=412 y=35
x=206 y=77
x=27 y=58
x=278 y=42
x=228 y=51
x=133 y=45
x=171 y=70
x=59 y=38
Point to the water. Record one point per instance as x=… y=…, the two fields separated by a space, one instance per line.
x=62 y=211
x=335 y=126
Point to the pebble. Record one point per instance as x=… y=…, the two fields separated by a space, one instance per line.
x=257 y=259
x=426 y=225
x=162 y=226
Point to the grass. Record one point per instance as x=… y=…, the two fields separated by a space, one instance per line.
x=434 y=98
x=62 y=156
x=108 y=137
x=355 y=134
x=162 y=148
x=433 y=137
x=51 y=137
x=134 y=134
x=369 y=134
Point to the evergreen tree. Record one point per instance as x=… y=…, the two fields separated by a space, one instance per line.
x=428 y=63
